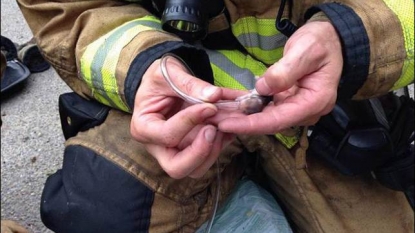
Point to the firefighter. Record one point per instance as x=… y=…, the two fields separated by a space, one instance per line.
x=147 y=161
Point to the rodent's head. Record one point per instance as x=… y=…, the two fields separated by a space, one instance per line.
x=253 y=103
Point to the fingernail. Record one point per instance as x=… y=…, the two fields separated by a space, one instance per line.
x=208 y=92
x=210 y=134
x=262 y=87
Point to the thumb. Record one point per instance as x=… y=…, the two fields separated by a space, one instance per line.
x=301 y=57
x=180 y=78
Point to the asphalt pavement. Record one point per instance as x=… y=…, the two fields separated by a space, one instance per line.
x=31 y=137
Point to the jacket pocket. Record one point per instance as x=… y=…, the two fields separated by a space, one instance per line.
x=78 y=114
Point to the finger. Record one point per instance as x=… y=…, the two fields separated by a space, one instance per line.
x=188 y=84
x=211 y=158
x=310 y=121
x=220 y=143
x=301 y=57
x=180 y=163
x=227 y=139
x=190 y=137
x=274 y=118
x=11 y=226
x=147 y=127
x=281 y=96
x=231 y=94
x=223 y=115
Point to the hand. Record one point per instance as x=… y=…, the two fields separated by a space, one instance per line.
x=174 y=132
x=303 y=84
x=9 y=226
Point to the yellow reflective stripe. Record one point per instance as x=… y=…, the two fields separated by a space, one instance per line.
x=110 y=65
x=149 y=18
x=288 y=142
x=407 y=76
x=260 y=38
x=98 y=63
x=269 y=57
x=244 y=61
x=263 y=27
x=404 y=10
x=99 y=96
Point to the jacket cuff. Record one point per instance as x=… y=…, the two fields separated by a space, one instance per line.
x=355 y=45
x=319 y=17
x=196 y=59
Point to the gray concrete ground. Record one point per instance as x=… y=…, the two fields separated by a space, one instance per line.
x=31 y=138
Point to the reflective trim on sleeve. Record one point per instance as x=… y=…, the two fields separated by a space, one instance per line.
x=260 y=38
x=99 y=62
x=404 y=10
x=235 y=70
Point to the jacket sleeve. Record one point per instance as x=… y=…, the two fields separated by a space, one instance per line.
x=377 y=37
x=101 y=49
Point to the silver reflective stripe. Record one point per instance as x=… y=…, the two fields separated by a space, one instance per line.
x=260 y=38
x=151 y=24
x=243 y=75
x=99 y=59
x=266 y=43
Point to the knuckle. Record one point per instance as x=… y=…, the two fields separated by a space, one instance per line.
x=173 y=172
x=139 y=134
x=169 y=139
x=285 y=74
x=154 y=68
x=191 y=121
x=135 y=134
x=188 y=84
x=318 y=50
x=328 y=107
x=279 y=77
x=157 y=72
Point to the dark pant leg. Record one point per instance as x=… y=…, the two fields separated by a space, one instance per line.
x=92 y=195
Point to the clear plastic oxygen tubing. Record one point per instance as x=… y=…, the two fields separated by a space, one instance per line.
x=217 y=195
x=248 y=104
